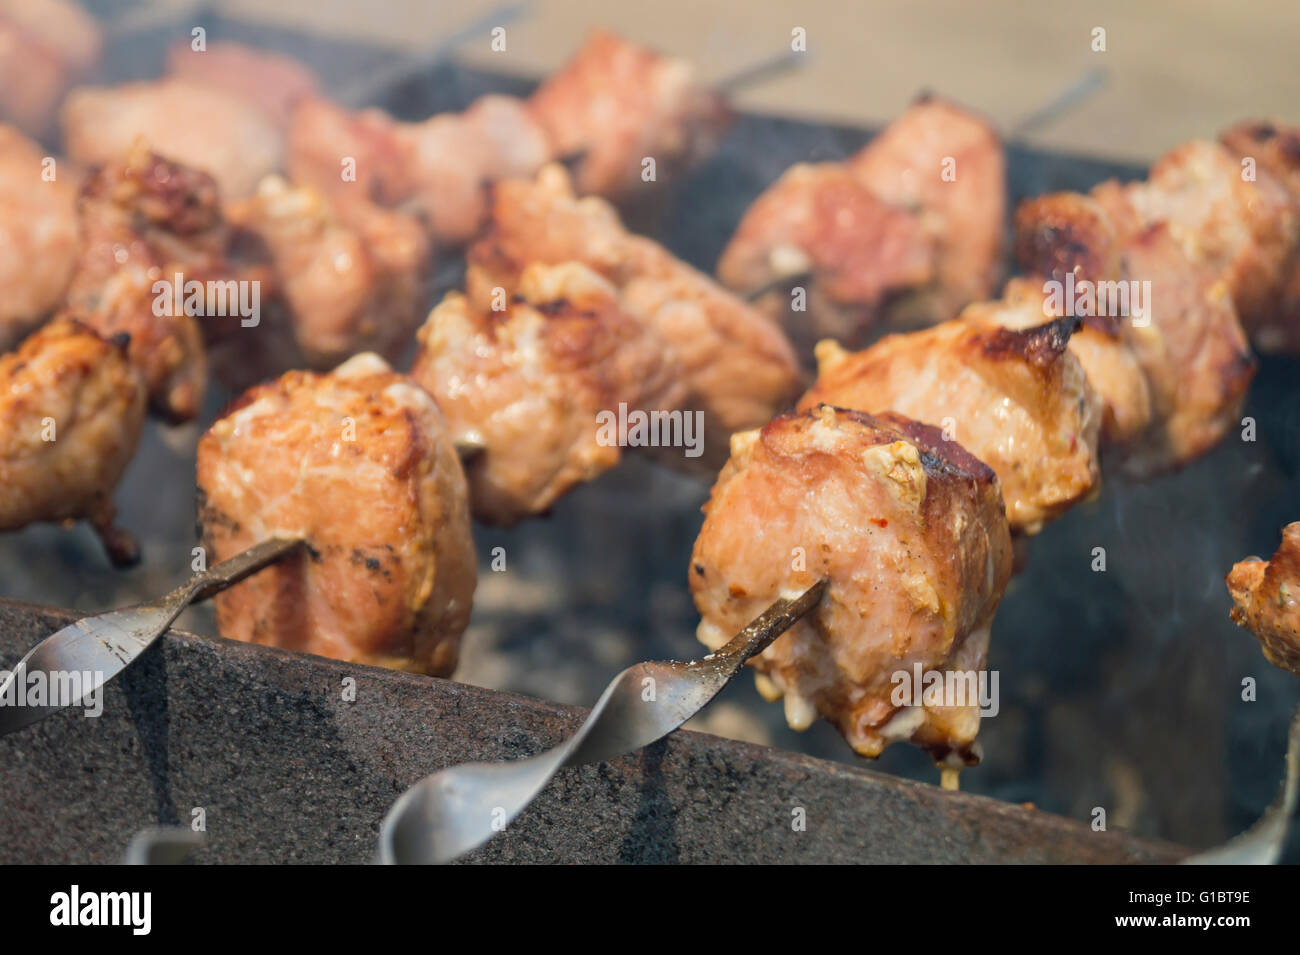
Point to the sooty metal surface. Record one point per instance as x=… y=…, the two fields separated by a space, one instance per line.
x=285 y=770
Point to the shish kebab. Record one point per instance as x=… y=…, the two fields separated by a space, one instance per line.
x=902 y=519
x=346 y=260
x=856 y=497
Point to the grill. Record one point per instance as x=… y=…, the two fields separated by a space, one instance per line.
x=1119 y=689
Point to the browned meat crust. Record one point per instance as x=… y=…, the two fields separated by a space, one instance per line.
x=1266 y=600
x=737 y=365
x=143 y=221
x=1013 y=396
x=522 y=388
x=358 y=463
x=71 y=411
x=910 y=532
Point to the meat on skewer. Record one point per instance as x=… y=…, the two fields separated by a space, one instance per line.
x=191 y=122
x=1275 y=148
x=1016 y=400
x=358 y=463
x=1242 y=232
x=437 y=168
x=347 y=276
x=1266 y=600
x=908 y=528
x=71 y=411
x=38 y=235
x=45 y=47
x=522 y=388
x=1189 y=346
x=736 y=364
x=904 y=233
x=145 y=220
x=616 y=103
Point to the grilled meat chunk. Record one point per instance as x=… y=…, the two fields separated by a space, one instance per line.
x=351 y=275
x=193 y=123
x=903 y=234
x=948 y=165
x=1016 y=399
x=523 y=388
x=38 y=235
x=438 y=169
x=358 y=463
x=738 y=367
x=145 y=220
x=820 y=228
x=1266 y=600
x=616 y=103
x=71 y=411
x=910 y=532
x=1274 y=148
x=1188 y=342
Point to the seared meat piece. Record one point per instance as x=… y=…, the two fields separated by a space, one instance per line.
x=522 y=388
x=192 y=123
x=821 y=228
x=457 y=156
x=1244 y=233
x=909 y=530
x=38 y=236
x=1196 y=358
x=439 y=168
x=274 y=82
x=323 y=135
x=908 y=164
x=1275 y=149
x=358 y=463
x=615 y=103
x=904 y=233
x=1189 y=344
x=737 y=365
x=71 y=410
x=1017 y=400
x=1101 y=348
x=144 y=220
x=1266 y=600
x=45 y=46
x=352 y=275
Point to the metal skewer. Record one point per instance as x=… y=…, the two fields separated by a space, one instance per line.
x=458 y=809
x=366 y=89
x=103 y=646
x=760 y=72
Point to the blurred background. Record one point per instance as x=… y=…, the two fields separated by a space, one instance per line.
x=1120 y=689
x=1177 y=68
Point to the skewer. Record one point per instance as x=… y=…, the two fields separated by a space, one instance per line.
x=447 y=814
x=106 y=644
x=745 y=77
x=1069 y=98
x=761 y=71
x=365 y=90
